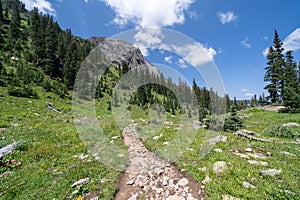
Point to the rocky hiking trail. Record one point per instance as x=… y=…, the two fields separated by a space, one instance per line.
x=149 y=177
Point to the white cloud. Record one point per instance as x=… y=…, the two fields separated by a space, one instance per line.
x=195 y=54
x=181 y=62
x=194 y=15
x=43 y=6
x=249 y=95
x=244 y=90
x=290 y=43
x=86 y=1
x=226 y=17
x=168 y=59
x=149 y=13
x=245 y=43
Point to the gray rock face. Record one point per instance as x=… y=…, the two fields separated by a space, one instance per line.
x=7 y=149
x=117 y=51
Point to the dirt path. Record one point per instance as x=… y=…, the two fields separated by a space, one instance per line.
x=150 y=177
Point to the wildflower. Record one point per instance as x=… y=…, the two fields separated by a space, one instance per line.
x=56 y=134
x=80 y=144
x=79 y=197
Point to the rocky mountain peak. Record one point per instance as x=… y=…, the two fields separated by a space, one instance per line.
x=118 y=51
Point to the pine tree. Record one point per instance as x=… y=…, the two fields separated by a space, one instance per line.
x=291 y=90
x=1 y=14
x=274 y=70
x=15 y=24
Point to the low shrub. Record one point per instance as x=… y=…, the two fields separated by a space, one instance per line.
x=282 y=131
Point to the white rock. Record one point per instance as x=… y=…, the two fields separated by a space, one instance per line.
x=81 y=182
x=248 y=149
x=257 y=155
x=228 y=197
x=291 y=124
x=130 y=182
x=155 y=137
x=255 y=162
x=248 y=185
x=217 y=139
x=183 y=182
x=175 y=197
x=218 y=150
x=134 y=197
x=166 y=143
x=270 y=172
x=288 y=154
x=219 y=167
x=206 y=180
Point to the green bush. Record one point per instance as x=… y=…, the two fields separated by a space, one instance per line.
x=282 y=131
x=233 y=122
x=25 y=91
x=289 y=110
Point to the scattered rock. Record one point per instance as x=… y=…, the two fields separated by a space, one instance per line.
x=242 y=155
x=248 y=149
x=115 y=137
x=156 y=137
x=289 y=192
x=255 y=162
x=228 y=197
x=183 y=182
x=203 y=169
x=217 y=139
x=270 y=172
x=166 y=143
x=218 y=150
x=219 y=167
x=130 y=182
x=81 y=182
x=2 y=138
x=288 y=153
x=257 y=155
x=291 y=124
x=175 y=197
x=134 y=197
x=3 y=129
x=5 y=174
x=206 y=180
x=7 y=149
x=248 y=185
x=246 y=132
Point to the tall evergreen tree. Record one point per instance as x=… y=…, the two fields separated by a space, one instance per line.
x=291 y=90
x=274 y=70
x=15 y=24
x=1 y=14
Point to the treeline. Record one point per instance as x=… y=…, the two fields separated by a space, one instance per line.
x=34 y=50
x=283 y=76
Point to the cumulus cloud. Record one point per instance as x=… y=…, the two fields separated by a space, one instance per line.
x=245 y=43
x=195 y=53
x=244 y=90
x=168 y=59
x=149 y=13
x=43 y=6
x=290 y=43
x=226 y=17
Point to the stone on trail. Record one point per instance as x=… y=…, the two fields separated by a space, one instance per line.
x=248 y=149
x=134 y=197
x=219 y=167
x=175 y=197
x=183 y=182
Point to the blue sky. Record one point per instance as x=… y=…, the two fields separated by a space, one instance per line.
x=233 y=33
